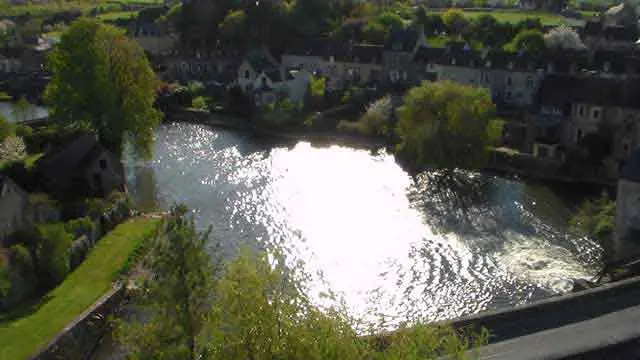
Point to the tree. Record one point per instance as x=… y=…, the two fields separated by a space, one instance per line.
x=53 y=255
x=447 y=125
x=317 y=89
x=22 y=110
x=563 y=38
x=455 y=21
x=234 y=28
x=5 y=128
x=596 y=218
x=102 y=81
x=528 y=41
x=376 y=120
x=486 y=30
x=177 y=299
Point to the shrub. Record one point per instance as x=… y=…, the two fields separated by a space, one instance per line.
x=5 y=128
x=53 y=254
x=5 y=276
x=80 y=226
x=22 y=262
x=199 y=102
x=23 y=130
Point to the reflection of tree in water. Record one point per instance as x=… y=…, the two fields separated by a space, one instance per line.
x=145 y=189
x=464 y=202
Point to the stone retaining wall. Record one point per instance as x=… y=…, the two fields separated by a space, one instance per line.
x=80 y=338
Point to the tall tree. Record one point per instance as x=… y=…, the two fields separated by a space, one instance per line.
x=455 y=21
x=528 y=41
x=176 y=300
x=563 y=38
x=447 y=125
x=103 y=82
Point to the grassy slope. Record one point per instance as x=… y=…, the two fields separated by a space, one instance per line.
x=23 y=336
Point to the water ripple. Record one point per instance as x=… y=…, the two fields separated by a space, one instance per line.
x=389 y=244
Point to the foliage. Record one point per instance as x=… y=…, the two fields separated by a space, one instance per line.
x=199 y=102
x=234 y=27
x=376 y=120
x=102 y=81
x=80 y=226
x=5 y=277
x=281 y=113
x=53 y=255
x=563 y=38
x=5 y=128
x=528 y=41
x=23 y=110
x=596 y=219
x=317 y=91
x=29 y=329
x=447 y=125
x=177 y=300
x=12 y=148
x=455 y=20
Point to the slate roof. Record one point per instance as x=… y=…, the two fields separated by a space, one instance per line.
x=402 y=40
x=557 y=89
x=361 y=53
x=631 y=169
x=617 y=61
x=260 y=63
x=563 y=60
x=274 y=74
x=426 y=54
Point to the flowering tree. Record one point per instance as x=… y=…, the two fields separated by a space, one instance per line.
x=563 y=37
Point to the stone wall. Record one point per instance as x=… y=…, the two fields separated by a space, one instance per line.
x=80 y=338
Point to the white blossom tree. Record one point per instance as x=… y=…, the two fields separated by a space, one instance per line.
x=563 y=38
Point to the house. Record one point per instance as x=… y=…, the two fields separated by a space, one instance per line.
x=13 y=207
x=598 y=34
x=399 y=52
x=585 y=104
x=426 y=62
x=341 y=64
x=155 y=38
x=255 y=69
x=82 y=168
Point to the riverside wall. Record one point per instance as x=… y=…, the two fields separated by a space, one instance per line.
x=80 y=338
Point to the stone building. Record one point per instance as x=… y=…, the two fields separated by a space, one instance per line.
x=13 y=207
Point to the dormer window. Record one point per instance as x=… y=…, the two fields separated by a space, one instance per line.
x=606 y=66
x=247 y=75
x=572 y=68
x=510 y=65
x=550 y=67
x=472 y=63
x=509 y=81
x=453 y=61
x=487 y=63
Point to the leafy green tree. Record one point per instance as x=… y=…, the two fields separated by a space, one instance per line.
x=5 y=128
x=234 y=29
x=596 y=218
x=176 y=301
x=391 y=21
x=375 y=33
x=53 y=255
x=22 y=110
x=455 y=21
x=528 y=41
x=447 y=125
x=485 y=28
x=376 y=120
x=103 y=82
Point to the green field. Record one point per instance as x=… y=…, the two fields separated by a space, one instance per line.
x=516 y=16
x=58 y=6
x=120 y=15
x=24 y=332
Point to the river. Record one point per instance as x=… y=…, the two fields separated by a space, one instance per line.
x=380 y=238
x=34 y=112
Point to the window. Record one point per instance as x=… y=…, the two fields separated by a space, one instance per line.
x=625 y=148
x=97 y=181
x=453 y=61
x=606 y=66
x=103 y=164
x=580 y=110
x=507 y=95
x=596 y=114
x=509 y=81
x=578 y=135
x=247 y=75
x=486 y=78
x=529 y=82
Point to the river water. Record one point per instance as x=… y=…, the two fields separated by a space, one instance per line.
x=386 y=242
x=34 y=112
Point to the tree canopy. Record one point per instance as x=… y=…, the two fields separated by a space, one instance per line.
x=596 y=218
x=529 y=41
x=447 y=125
x=563 y=38
x=103 y=82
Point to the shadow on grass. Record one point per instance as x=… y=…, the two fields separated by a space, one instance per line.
x=24 y=310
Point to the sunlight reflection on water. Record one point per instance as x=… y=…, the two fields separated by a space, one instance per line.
x=365 y=224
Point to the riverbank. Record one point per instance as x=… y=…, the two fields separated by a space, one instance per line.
x=36 y=329
x=521 y=166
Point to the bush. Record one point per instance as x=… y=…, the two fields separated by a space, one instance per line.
x=53 y=254
x=22 y=263
x=80 y=226
x=5 y=128
x=5 y=276
x=199 y=102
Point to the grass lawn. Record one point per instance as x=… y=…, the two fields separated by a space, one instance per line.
x=516 y=16
x=53 y=7
x=120 y=15
x=25 y=331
